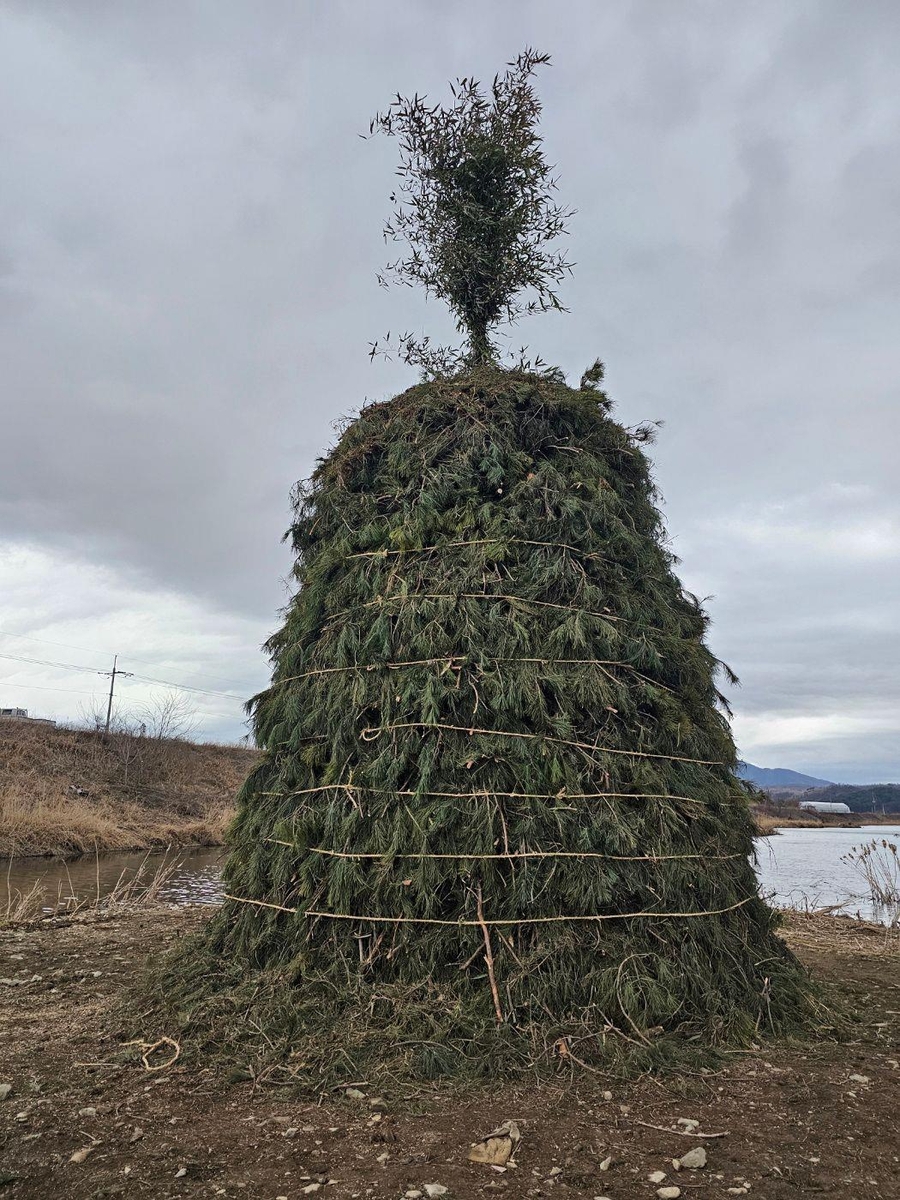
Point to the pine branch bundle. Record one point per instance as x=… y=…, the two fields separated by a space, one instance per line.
x=496 y=765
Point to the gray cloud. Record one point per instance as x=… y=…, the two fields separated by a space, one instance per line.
x=189 y=232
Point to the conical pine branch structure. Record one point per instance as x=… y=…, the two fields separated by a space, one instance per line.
x=496 y=822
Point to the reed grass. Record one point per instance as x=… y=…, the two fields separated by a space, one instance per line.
x=131 y=891
x=878 y=863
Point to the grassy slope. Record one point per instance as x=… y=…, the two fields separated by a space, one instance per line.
x=135 y=792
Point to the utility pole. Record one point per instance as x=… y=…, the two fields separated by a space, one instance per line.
x=112 y=683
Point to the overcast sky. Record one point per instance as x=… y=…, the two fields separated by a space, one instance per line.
x=189 y=233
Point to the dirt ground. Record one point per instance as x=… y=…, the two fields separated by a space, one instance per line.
x=819 y=1120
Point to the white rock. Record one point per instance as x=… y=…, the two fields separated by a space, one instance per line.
x=657 y=1176
x=435 y=1189
x=355 y=1094
x=87 y=1112
x=181 y=1172
x=668 y=1193
x=860 y=1079
x=692 y=1161
x=5 y=1089
x=688 y=1123
x=412 y=1194
x=554 y=1171
x=310 y=1188
x=606 y=1164
x=607 y=1095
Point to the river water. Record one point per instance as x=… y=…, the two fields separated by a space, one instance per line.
x=797 y=868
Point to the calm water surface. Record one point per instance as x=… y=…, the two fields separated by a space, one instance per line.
x=797 y=868
x=191 y=876
x=803 y=868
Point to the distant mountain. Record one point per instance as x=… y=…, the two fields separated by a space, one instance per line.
x=771 y=777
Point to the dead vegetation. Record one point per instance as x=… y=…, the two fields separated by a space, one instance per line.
x=132 y=891
x=67 y=791
x=770 y=822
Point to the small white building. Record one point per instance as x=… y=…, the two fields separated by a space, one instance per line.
x=822 y=806
x=21 y=714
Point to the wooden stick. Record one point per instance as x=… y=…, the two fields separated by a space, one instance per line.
x=681 y=1132
x=489 y=957
x=311 y=912
x=376 y=730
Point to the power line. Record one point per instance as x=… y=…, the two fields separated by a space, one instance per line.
x=183 y=687
x=29 y=637
x=43 y=662
x=42 y=687
x=93 y=650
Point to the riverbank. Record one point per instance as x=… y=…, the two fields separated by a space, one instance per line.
x=767 y=823
x=787 y=1121
x=68 y=792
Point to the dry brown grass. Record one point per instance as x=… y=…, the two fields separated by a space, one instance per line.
x=768 y=824
x=68 y=791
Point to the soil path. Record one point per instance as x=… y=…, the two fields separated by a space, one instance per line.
x=817 y=1120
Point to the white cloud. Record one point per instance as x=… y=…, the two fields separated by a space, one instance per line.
x=189 y=235
x=60 y=610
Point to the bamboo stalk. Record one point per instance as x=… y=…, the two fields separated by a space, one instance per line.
x=376 y=730
x=311 y=912
x=585 y=612
x=496 y=541
x=449 y=659
x=484 y=795
x=519 y=854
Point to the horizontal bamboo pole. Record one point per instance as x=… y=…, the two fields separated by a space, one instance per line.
x=312 y=912
x=449 y=659
x=585 y=612
x=487 y=794
x=496 y=541
x=518 y=854
x=376 y=730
